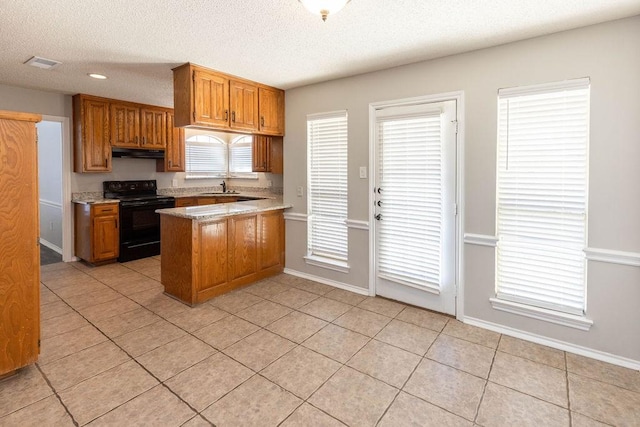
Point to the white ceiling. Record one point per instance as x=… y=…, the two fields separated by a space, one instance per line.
x=277 y=42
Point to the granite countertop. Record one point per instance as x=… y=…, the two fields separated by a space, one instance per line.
x=222 y=210
x=94 y=201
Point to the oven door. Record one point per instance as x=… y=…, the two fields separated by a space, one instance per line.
x=140 y=228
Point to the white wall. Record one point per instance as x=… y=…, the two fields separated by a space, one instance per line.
x=50 y=181
x=608 y=54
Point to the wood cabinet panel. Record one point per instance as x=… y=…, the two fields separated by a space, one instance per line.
x=183 y=202
x=243 y=245
x=210 y=99
x=214 y=267
x=267 y=154
x=206 y=200
x=271 y=244
x=125 y=125
x=92 y=149
x=19 y=252
x=153 y=125
x=174 y=156
x=243 y=105
x=271 y=107
x=97 y=233
x=213 y=257
x=207 y=98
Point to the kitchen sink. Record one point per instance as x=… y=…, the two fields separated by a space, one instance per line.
x=218 y=193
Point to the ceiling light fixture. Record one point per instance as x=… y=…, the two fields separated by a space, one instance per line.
x=97 y=76
x=324 y=7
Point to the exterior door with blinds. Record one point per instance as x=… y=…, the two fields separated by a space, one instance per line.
x=415 y=204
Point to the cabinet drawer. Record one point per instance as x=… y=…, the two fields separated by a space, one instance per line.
x=99 y=210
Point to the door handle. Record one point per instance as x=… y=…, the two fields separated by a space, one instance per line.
x=233 y=116
x=262 y=121
x=378 y=217
x=226 y=114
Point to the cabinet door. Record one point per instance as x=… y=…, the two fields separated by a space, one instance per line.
x=214 y=266
x=260 y=153
x=125 y=125
x=211 y=99
x=153 y=124
x=271 y=107
x=174 y=157
x=206 y=200
x=243 y=240
x=95 y=136
x=271 y=240
x=244 y=105
x=19 y=253
x=105 y=237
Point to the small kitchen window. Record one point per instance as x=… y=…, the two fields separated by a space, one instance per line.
x=209 y=156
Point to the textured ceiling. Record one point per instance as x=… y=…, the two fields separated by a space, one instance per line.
x=136 y=43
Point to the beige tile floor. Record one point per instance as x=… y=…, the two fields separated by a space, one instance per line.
x=290 y=352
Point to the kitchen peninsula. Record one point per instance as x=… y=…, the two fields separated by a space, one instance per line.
x=212 y=249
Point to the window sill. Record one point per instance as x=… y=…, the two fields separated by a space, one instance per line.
x=328 y=263
x=551 y=316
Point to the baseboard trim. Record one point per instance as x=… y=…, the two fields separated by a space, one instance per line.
x=324 y=281
x=50 y=245
x=553 y=343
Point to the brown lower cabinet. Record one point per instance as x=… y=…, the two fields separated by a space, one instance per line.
x=184 y=202
x=19 y=251
x=97 y=239
x=204 y=259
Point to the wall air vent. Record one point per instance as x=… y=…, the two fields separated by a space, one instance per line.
x=44 y=63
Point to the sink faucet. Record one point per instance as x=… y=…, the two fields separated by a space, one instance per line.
x=224 y=186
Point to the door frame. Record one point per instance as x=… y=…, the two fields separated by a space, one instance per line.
x=67 y=211
x=457 y=96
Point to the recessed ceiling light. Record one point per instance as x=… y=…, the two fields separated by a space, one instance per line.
x=44 y=63
x=97 y=76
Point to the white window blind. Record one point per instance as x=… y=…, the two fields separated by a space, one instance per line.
x=543 y=135
x=410 y=155
x=241 y=157
x=327 y=180
x=206 y=157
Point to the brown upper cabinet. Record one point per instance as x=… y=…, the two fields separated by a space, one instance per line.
x=267 y=154
x=244 y=105
x=174 y=155
x=101 y=123
x=271 y=111
x=209 y=99
x=92 y=150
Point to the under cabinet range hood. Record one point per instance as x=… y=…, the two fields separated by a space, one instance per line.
x=134 y=153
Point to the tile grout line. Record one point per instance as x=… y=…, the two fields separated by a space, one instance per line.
x=486 y=383
x=129 y=355
x=55 y=393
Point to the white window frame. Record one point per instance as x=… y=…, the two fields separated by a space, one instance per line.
x=569 y=313
x=330 y=216
x=244 y=142
x=228 y=172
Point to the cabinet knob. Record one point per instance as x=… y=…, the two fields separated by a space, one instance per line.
x=226 y=114
x=233 y=116
x=261 y=120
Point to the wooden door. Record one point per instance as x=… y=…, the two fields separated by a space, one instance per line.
x=271 y=243
x=105 y=238
x=243 y=105
x=95 y=136
x=260 y=153
x=125 y=125
x=211 y=99
x=19 y=251
x=276 y=163
x=174 y=154
x=271 y=105
x=243 y=240
x=153 y=124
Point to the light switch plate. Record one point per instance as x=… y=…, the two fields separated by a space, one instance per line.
x=363 y=172
x=174 y=182
x=300 y=191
